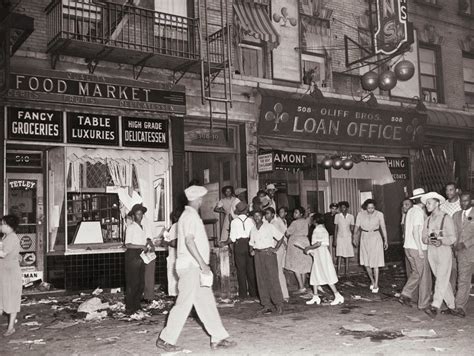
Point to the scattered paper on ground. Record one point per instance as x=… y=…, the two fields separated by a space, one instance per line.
x=96 y=315
x=62 y=324
x=359 y=327
x=92 y=305
x=420 y=333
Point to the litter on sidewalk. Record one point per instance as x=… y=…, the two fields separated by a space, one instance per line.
x=97 y=291
x=92 y=305
x=424 y=333
x=62 y=324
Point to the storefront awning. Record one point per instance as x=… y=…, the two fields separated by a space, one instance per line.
x=252 y=19
x=454 y=124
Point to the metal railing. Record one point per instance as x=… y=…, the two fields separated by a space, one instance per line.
x=122 y=26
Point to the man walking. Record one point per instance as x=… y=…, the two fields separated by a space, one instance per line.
x=464 y=249
x=417 y=256
x=439 y=235
x=191 y=263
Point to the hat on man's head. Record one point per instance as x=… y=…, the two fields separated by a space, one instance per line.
x=241 y=208
x=271 y=186
x=239 y=191
x=432 y=195
x=195 y=192
x=266 y=201
x=137 y=207
x=417 y=193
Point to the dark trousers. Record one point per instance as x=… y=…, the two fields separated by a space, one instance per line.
x=266 y=267
x=134 y=279
x=245 y=265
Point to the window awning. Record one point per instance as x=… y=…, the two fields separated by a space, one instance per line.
x=450 y=124
x=252 y=19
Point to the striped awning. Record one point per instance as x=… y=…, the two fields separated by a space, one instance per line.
x=252 y=19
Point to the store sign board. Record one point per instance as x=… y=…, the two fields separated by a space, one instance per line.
x=92 y=129
x=339 y=121
x=147 y=133
x=197 y=135
x=23 y=159
x=392 y=31
x=399 y=167
x=92 y=90
x=22 y=184
x=34 y=125
x=265 y=162
x=29 y=277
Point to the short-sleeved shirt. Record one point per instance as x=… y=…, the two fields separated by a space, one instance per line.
x=320 y=234
x=190 y=224
x=135 y=234
x=371 y=222
x=279 y=224
x=263 y=238
x=414 y=217
x=450 y=208
x=344 y=224
x=240 y=227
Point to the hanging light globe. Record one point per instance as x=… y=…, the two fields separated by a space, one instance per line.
x=347 y=164
x=326 y=163
x=387 y=80
x=404 y=70
x=337 y=163
x=369 y=81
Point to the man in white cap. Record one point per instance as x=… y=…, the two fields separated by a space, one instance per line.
x=418 y=285
x=271 y=190
x=192 y=261
x=439 y=235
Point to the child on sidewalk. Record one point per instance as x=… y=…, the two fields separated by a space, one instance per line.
x=322 y=271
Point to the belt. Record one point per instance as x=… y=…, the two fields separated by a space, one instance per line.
x=369 y=230
x=242 y=238
x=263 y=249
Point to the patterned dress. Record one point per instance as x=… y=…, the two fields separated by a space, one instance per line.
x=296 y=260
x=371 y=241
x=10 y=275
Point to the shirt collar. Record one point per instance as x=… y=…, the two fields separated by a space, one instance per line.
x=468 y=211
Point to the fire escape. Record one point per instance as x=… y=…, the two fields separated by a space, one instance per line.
x=130 y=34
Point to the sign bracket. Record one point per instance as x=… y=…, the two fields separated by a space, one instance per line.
x=140 y=65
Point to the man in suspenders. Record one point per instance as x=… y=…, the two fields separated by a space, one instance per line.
x=439 y=235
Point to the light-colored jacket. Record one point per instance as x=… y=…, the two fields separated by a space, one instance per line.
x=465 y=232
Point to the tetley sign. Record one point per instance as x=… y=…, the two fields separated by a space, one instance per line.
x=340 y=121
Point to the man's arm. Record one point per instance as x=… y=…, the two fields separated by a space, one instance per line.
x=193 y=250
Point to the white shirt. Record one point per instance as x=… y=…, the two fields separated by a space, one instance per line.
x=450 y=208
x=240 y=227
x=190 y=224
x=279 y=224
x=415 y=217
x=263 y=238
x=135 y=235
x=465 y=214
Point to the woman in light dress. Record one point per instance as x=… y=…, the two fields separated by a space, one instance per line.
x=10 y=272
x=226 y=207
x=344 y=228
x=296 y=261
x=370 y=226
x=322 y=270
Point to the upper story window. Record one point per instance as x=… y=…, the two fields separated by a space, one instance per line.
x=430 y=75
x=250 y=61
x=468 y=71
x=173 y=7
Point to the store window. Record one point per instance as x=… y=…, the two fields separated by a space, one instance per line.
x=430 y=75
x=468 y=72
x=92 y=190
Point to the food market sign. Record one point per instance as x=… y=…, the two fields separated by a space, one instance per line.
x=92 y=90
x=339 y=121
x=392 y=31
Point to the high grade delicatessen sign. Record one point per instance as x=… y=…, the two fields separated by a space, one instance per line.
x=339 y=121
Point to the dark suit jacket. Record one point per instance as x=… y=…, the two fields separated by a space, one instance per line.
x=465 y=232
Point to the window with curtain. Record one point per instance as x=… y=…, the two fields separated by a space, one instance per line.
x=468 y=73
x=430 y=75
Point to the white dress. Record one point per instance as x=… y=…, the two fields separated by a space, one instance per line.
x=344 y=235
x=322 y=271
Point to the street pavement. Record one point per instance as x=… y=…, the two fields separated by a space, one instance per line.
x=365 y=324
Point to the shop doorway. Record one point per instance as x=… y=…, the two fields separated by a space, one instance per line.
x=25 y=199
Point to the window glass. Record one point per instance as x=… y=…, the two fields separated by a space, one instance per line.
x=173 y=7
x=314 y=69
x=251 y=61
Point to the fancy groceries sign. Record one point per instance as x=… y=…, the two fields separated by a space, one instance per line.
x=339 y=122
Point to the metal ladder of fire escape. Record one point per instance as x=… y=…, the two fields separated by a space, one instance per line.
x=216 y=51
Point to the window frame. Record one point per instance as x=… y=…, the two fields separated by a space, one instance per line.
x=308 y=57
x=438 y=69
x=469 y=56
x=260 y=48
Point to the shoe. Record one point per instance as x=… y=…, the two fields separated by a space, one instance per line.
x=431 y=311
x=371 y=287
x=448 y=311
x=9 y=332
x=405 y=301
x=265 y=311
x=279 y=309
x=286 y=300
x=459 y=312
x=339 y=299
x=375 y=290
x=223 y=344
x=313 y=300
x=300 y=291
x=161 y=344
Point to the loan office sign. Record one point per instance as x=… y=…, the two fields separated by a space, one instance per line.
x=341 y=121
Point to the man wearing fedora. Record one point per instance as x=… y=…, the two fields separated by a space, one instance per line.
x=271 y=190
x=192 y=261
x=240 y=228
x=464 y=249
x=439 y=235
x=416 y=253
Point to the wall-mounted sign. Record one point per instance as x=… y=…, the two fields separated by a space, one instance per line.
x=285 y=160
x=91 y=129
x=34 y=125
x=197 y=135
x=22 y=184
x=26 y=242
x=265 y=162
x=339 y=121
x=139 y=132
x=29 y=277
x=92 y=90
x=399 y=167
x=28 y=259
x=23 y=160
x=392 y=31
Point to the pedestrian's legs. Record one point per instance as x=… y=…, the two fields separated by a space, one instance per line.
x=133 y=280
x=376 y=277
x=425 y=286
x=240 y=255
x=11 y=321
x=416 y=266
x=149 y=289
x=188 y=284
x=262 y=281
x=346 y=270
x=453 y=278
x=465 y=271
x=206 y=309
x=273 y=282
x=251 y=278
x=281 y=254
x=339 y=258
x=371 y=277
x=300 y=280
x=442 y=271
x=333 y=288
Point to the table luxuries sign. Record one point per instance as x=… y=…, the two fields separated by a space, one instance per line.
x=339 y=121
x=34 y=125
x=140 y=132
x=91 y=129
